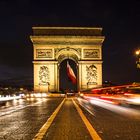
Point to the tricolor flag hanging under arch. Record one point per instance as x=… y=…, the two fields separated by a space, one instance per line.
x=71 y=74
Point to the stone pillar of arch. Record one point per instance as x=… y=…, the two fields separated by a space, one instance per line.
x=52 y=45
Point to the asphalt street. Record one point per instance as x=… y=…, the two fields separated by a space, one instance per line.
x=113 y=122
x=23 y=120
x=23 y=123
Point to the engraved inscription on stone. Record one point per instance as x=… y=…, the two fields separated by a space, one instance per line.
x=91 y=53
x=44 y=53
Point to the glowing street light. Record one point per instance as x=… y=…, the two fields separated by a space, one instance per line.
x=138 y=58
x=137 y=52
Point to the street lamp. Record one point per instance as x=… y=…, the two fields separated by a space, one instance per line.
x=138 y=58
x=137 y=52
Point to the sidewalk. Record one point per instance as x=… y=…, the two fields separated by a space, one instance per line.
x=67 y=125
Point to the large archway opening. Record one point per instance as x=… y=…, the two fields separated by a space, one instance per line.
x=65 y=84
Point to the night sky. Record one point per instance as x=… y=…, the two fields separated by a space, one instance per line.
x=120 y=22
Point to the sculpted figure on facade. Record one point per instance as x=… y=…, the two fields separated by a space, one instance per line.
x=43 y=75
x=91 y=74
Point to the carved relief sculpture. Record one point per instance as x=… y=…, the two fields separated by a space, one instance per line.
x=43 y=75
x=91 y=74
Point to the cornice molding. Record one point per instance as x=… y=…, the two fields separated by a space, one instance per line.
x=67 y=40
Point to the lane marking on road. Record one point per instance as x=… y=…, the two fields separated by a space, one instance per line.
x=91 y=130
x=45 y=127
x=87 y=109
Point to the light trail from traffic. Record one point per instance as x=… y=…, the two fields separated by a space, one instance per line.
x=122 y=110
x=8 y=98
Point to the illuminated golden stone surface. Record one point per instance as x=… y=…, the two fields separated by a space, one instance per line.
x=52 y=45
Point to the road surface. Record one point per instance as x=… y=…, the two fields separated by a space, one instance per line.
x=67 y=119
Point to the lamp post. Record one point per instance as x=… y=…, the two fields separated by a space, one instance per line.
x=138 y=58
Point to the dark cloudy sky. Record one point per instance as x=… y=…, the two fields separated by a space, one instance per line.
x=121 y=27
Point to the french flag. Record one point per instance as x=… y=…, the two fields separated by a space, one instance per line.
x=71 y=74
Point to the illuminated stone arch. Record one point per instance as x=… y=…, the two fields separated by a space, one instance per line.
x=67 y=53
x=52 y=45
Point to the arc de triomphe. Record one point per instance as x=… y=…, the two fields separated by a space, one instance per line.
x=52 y=45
